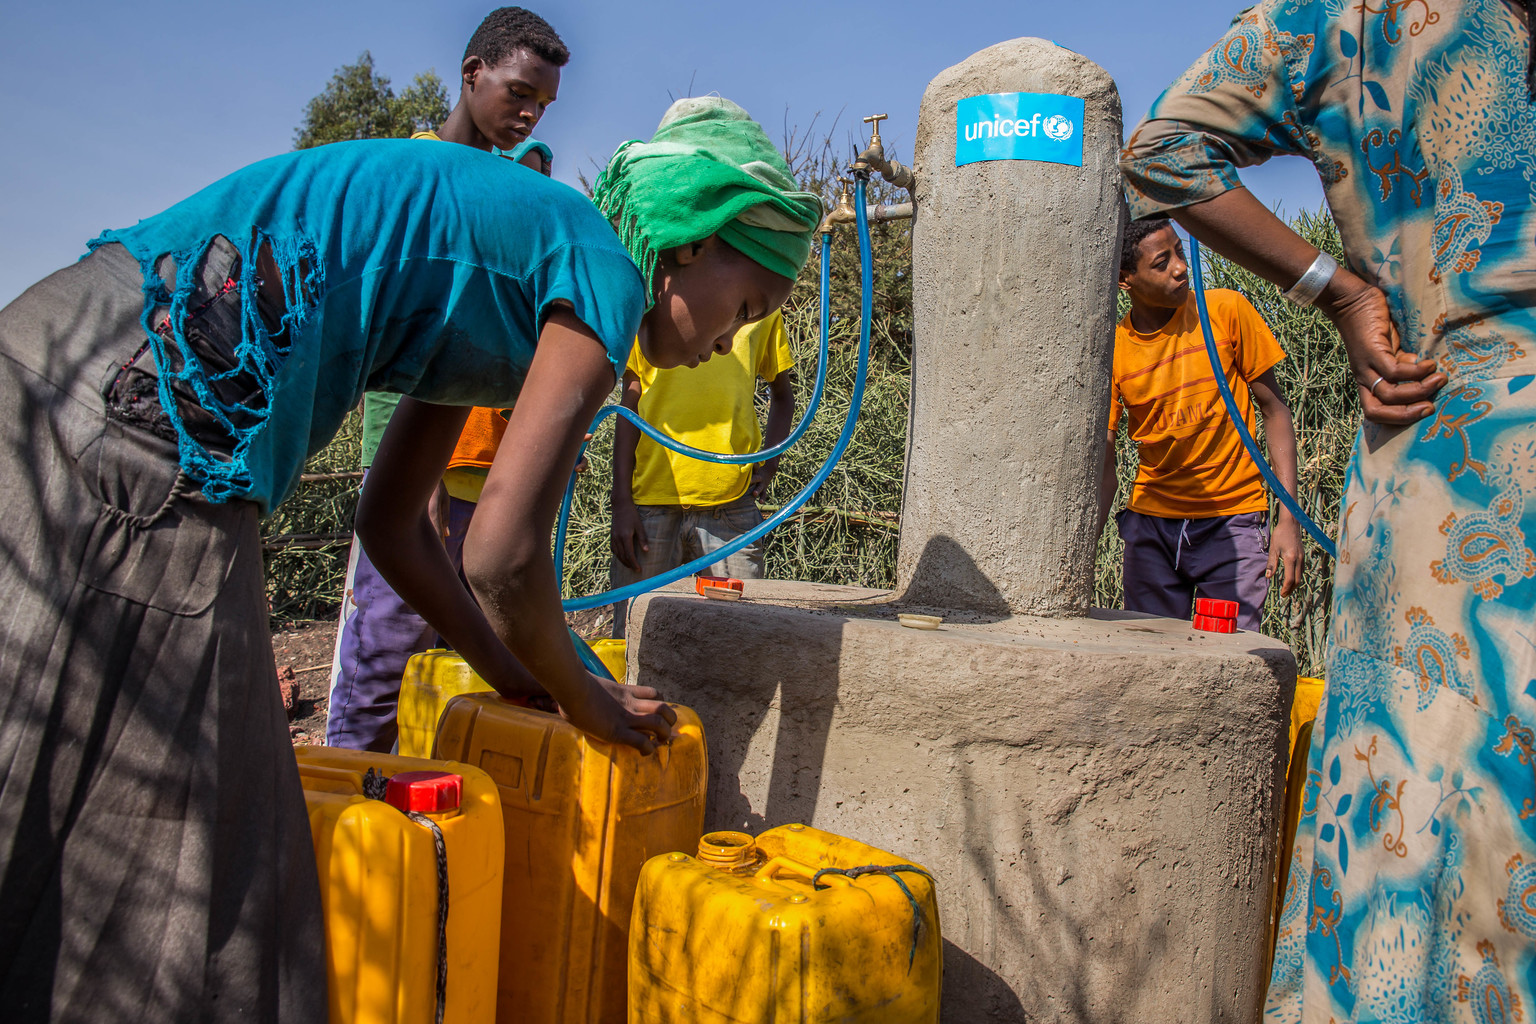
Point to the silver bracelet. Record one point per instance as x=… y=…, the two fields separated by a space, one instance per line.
x=1305 y=291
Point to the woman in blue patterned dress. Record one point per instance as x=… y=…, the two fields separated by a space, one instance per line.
x=1412 y=882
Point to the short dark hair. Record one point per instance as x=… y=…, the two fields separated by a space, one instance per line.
x=509 y=29
x=1136 y=232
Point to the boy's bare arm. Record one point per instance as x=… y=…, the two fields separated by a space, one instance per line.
x=1280 y=435
x=1109 y=483
x=627 y=534
x=507 y=551
x=781 y=414
x=406 y=546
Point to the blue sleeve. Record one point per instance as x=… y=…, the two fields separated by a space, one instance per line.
x=603 y=287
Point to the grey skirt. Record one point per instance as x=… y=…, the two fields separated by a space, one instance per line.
x=155 y=856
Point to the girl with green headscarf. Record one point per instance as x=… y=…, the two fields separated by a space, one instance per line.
x=708 y=186
x=711 y=216
x=164 y=392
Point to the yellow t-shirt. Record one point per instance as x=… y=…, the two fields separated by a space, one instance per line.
x=709 y=406
x=1193 y=464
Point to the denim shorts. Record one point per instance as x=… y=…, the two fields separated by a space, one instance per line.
x=681 y=533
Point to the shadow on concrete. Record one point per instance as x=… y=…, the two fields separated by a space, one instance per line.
x=765 y=669
x=984 y=989
x=808 y=696
x=1056 y=931
x=948 y=578
x=806 y=706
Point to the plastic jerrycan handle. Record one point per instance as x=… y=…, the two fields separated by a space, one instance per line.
x=346 y=776
x=770 y=872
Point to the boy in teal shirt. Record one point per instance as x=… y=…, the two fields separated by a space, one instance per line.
x=510 y=74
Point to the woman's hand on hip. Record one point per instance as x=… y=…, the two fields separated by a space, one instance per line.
x=1396 y=387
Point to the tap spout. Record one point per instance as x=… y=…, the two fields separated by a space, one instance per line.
x=843 y=212
x=877 y=215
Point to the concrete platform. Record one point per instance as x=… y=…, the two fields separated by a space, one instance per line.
x=1098 y=797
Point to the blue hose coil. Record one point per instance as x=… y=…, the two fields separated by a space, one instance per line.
x=866 y=302
x=1323 y=540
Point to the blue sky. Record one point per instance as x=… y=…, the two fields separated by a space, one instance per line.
x=120 y=109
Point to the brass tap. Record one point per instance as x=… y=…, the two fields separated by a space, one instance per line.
x=876 y=146
x=873 y=158
x=842 y=213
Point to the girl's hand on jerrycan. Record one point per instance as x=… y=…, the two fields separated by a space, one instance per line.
x=636 y=716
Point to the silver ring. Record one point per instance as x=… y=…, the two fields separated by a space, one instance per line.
x=1378 y=380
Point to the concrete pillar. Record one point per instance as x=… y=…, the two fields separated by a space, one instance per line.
x=1014 y=295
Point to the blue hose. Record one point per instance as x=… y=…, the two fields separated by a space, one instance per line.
x=589 y=657
x=1238 y=421
x=763 y=455
x=866 y=283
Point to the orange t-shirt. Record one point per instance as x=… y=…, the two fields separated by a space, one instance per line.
x=480 y=439
x=482 y=431
x=1193 y=464
x=474 y=453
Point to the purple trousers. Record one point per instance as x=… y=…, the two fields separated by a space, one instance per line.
x=1169 y=561
x=379 y=633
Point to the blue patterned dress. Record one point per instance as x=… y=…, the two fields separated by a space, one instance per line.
x=1412 y=884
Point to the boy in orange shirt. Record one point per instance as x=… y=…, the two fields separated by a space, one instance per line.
x=1198 y=518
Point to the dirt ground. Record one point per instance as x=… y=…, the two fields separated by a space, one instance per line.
x=302 y=653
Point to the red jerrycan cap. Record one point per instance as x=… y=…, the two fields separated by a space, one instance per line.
x=1211 y=624
x=1215 y=609
x=425 y=792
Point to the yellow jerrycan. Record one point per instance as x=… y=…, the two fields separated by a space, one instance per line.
x=1304 y=708
x=433 y=678
x=376 y=822
x=582 y=817
x=797 y=926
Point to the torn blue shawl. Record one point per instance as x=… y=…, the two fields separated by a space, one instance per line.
x=422 y=270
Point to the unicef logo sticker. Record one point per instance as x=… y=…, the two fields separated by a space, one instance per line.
x=1058 y=127
x=1019 y=126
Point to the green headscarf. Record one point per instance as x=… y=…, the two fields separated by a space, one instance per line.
x=709 y=170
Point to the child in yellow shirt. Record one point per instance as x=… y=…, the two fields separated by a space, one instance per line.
x=668 y=508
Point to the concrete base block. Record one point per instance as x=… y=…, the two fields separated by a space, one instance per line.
x=1098 y=797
